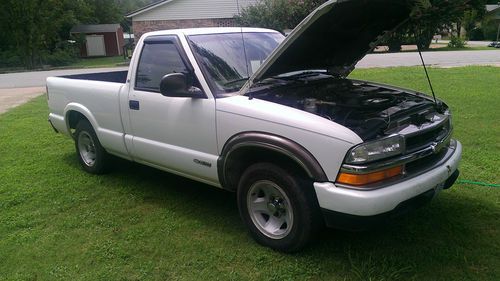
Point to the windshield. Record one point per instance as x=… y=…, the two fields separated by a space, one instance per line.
x=222 y=57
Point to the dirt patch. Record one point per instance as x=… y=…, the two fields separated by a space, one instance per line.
x=10 y=98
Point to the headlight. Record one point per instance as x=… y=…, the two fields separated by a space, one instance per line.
x=376 y=150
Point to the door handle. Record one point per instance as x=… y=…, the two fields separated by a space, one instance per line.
x=133 y=104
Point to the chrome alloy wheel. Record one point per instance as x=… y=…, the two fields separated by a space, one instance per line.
x=270 y=209
x=86 y=147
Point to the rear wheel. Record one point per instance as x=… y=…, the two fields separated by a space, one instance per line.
x=278 y=208
x=91 y=155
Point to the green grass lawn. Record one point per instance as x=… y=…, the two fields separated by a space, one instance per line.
x=100 y=62
x=137 y=223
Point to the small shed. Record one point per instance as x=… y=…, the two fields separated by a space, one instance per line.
x=101 y=40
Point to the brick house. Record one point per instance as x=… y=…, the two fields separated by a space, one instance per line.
x=172 y=14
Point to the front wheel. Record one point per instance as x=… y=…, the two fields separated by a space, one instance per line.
x=91 y=155
x=280 y=211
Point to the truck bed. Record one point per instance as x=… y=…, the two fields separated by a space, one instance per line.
x=97 y=97
x=113 y=76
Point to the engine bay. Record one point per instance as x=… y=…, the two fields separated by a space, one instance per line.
x=370 y=110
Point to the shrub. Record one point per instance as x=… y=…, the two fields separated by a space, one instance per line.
x=10 y=59
x=64 y=54
x=456 y=42
x=396 y=40
x=60 y=58
x=394 y=45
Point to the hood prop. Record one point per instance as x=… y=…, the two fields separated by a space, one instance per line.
x=427 y=75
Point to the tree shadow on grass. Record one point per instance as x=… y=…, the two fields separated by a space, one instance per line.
x=165 y=190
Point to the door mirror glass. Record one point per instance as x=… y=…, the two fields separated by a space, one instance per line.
x=176 y=85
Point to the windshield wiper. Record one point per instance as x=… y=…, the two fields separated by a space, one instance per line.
x=286 y=79
x=303 y=74
x=235 y=81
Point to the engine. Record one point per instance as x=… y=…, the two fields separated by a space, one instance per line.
x=369 y=110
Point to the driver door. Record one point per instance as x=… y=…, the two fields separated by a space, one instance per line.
x=177 y=134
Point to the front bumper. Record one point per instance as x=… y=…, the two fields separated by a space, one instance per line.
x=352 y=222
x=375 y=202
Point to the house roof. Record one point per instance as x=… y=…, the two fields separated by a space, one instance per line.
x=490 y=8
x=190 y=9
x=147 y=8
x=91 y=28
x=493 y=11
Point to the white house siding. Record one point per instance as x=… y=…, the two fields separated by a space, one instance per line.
x=188 y=14
x=141 y=27
x=194 y=9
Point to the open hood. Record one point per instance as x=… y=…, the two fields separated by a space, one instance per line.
x=335 y=37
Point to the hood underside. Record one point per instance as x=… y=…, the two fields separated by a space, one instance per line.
x=335 y=37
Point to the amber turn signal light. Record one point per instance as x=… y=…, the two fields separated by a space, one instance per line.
x=363 y=179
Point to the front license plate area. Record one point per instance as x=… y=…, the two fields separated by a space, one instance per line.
x=438 y=188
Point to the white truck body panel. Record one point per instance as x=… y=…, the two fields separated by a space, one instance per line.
x=316 y=134
x=98 y=101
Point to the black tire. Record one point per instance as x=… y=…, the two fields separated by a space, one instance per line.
x=263 y=178
x=91 y=155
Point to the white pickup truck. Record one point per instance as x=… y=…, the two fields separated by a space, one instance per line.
x=274 y=119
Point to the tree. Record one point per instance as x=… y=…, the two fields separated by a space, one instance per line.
x=277 y=14
x=33 y=26
x=427 y=17
x=35 y=29
x=430 y=16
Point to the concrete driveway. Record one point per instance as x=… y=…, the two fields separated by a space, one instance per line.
x=10 y=98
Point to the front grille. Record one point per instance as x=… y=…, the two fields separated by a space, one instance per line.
x=425 y=147
x=428 y=137
x=424 y=163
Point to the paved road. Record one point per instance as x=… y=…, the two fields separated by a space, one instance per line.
x=439 y=59
x=17 y=88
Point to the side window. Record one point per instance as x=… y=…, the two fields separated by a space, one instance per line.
x=157 y=59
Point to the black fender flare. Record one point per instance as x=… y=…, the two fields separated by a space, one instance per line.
x=267 y=141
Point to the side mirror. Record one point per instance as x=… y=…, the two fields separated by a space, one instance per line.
x=176 y=85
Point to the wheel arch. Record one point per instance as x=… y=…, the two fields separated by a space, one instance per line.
x=247 y=148
x=73 y=113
